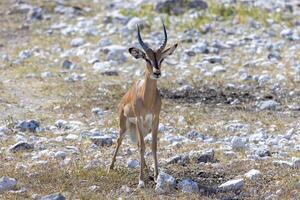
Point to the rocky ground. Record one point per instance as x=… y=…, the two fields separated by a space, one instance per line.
x=230 y=123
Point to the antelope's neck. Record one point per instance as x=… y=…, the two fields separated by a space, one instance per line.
x=149 y=91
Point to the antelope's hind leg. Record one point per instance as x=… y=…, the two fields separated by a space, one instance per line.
x=122 y=131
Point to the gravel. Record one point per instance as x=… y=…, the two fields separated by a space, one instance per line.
x=232 y=185
x=165 y=183
x=7 y=183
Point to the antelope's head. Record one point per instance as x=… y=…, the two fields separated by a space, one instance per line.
x=153 y=58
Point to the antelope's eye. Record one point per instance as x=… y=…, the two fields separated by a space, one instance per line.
x=161 y=61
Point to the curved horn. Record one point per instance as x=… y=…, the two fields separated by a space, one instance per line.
x=161 y=48
x=144 y=46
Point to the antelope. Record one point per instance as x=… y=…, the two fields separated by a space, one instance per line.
x=140 y=107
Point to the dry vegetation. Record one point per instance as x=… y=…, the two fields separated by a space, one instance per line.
x=51 y=99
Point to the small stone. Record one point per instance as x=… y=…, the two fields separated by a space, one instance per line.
x=46 y=74
x=35 y=13
x=76 y=42
x=165 y=183
x=259 y=136
x=110 y=72
x=126 y=189
x=25 y=54
x=104 y=42
x=133 y=164
x=282 y=163
x=60 y=154
x=188 y=186
x=102 y=140
x=275 y=55
x=296 y=162
x=200 y=47
x=97 y=111
x=268 y=105
x=94 y=188
x=214 y=59
x=271 y=197
x=232 y=185
x=115 y=53
x=68 y=64
x=263 y=152
x=56 y=196
x=7 y=183
x=29 y=125
x=132 y=23
x=61 y=123
x=177 y=7
x=21 y=146
x=253 y=174
x=204 y=156
x=218 y=70
x=262 y=79
x=185 y=88
x=179 y=159
x=194 y=135
x=71 y=137
x=237 y=143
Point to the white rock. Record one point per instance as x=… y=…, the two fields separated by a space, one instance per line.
x=133 y=164
x=94 y=188
x=46 y=74
x=61 y=124
x=98 y=111
x=282 y=163
x=268 y=105
x=7 y=183
x=71 y=137
x=218 y=69
x=179 y=159
x=21 y=146
x=253 y=174
x=55 y=196
x=102 y=140
x=25 y=54
x=132 y=24
x=195 y=135
x=185 y=88
x=296 y=162
x=115 y=52
x=231 y=185
x=28 y=125
x=165 y=183
x=60 y=154
x=286 y=32
x=260 y=135
x=188 y=186
x=76 y=42
x=202 y=156
x=104 y=42
x=237 y=143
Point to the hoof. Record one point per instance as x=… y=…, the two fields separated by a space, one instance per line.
x=141 y=184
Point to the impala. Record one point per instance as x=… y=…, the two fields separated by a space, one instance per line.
x=140 y=107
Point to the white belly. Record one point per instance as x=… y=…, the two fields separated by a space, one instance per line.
x=146 y=121
x=146 y=126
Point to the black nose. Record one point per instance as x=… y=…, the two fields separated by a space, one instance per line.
x=157 y=74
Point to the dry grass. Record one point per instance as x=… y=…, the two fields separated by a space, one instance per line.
x=52 y=99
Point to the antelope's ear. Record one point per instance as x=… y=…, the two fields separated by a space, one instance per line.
x=169 y=51
x=136 y=53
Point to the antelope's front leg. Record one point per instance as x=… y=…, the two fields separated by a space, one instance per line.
x=142 y=152
x=154 y=144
